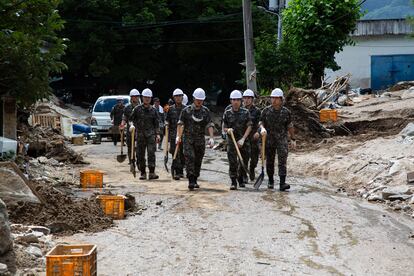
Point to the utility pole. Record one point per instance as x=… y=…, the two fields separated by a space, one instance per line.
x=248 y=46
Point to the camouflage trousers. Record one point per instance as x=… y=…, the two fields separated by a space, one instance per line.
x=146 y=144
x=235 y=167
x=178 y=163
x=253 y=157
x=280 y=147
x=193 y=156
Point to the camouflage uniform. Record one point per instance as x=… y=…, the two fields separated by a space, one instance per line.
x=127 y=118
x=254 y=144
x=277 y=123
x=172 y=117
x=239 y=121
x=147 y=127
x=116 y=116
x=195 y=123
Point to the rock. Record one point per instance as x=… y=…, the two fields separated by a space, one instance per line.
x=376 y=189
x=129 y=202
x=408 y=130
x=397 y=208
x=5 y=237
x=397 y=190
x=375 y=197
x=42 y=160
x=158 y=202
x=407 y=208
x=44 y=230
x=35 y=251
x=401 y=197
x=27 y=238
x=3 y=269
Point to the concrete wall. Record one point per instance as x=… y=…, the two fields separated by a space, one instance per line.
x=9 y=118
x=357 y=59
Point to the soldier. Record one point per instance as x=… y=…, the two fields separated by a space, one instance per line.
x=126 y=118
x=237 y=121
x=147 y=126
x=171 y=120
x=194 y=119
x=248 y=98
x=161 y=117
x=116 y=118
x=276 y=122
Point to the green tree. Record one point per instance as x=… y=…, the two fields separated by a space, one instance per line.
x=29 y=48
x=318 y=30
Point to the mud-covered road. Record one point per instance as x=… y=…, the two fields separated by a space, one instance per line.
x=312 y=230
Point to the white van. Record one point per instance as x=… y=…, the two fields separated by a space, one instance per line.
x=101 y=114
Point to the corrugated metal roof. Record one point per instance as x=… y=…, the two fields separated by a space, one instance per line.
x=383 y=27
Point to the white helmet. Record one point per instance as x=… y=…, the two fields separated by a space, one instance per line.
x=277 y=93
x=248 y=93
x=236 y=95
x=199 y=94
x=185 y=99
x=134 y=92
x=178 y=92
x=147 y=93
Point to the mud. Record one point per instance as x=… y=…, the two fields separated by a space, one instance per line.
x=62 y=214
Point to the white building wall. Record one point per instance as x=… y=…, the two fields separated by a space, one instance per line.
x=357 y=59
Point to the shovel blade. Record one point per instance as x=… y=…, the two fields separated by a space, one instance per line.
x=132 y=169
x=121 y=158
x=259 y=181
x=166 y=163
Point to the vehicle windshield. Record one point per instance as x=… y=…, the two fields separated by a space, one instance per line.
x=105 y=105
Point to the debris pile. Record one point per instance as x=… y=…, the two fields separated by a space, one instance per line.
x=61 y=213
x=403 y=85
x=48 y=142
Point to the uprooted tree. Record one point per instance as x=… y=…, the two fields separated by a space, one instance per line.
x=318 y=30
x=30 y=50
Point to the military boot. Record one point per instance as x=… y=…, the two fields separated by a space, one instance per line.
x=191 y=183
x=271 y=183
x=241 y=181
x=283 y=186
x=195 y=183
x=180 y=173
x=143 y=175
x=233 y=185
x=152 y=174
x=252 y=174
x=176 y=174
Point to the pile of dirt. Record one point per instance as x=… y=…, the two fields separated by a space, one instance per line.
x=61 y=214
x=403 y=85
x=48 y=142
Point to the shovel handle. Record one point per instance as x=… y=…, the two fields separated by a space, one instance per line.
x=236 y=146
x=176 y=151
x=263 y=149
x=122 y=141
x=132 y=130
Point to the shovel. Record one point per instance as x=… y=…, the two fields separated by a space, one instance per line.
x=166 y=149
x=121 y=157
x=238 y=151
x=177 y=147
x=259 y=180
x=132 y=167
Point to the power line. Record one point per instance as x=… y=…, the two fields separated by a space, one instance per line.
x=181 y=42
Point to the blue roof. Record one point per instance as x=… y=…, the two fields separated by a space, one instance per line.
x=387 y=9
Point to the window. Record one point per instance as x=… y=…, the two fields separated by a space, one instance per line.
x=105 y=105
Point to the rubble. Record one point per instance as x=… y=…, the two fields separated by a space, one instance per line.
x=403 y=85
x=5 y=240
x=62 y=214
x=49 y=143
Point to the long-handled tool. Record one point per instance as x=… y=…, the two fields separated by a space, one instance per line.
x=177 y=148
x=132 y=167
x=259 y=180
x=166 y=148
x=121 y=157
x=238 y=152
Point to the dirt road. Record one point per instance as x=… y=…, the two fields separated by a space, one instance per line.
x=311 y=230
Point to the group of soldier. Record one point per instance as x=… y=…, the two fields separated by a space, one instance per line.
x=243 y=125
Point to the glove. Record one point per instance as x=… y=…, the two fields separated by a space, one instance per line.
x=240 y=142
x=157 y=139
x=224 y=135
x=263 y=131
x=293 y=144
x=177 y=140
x=229 y=130
x=256 y=136
x=211 y=142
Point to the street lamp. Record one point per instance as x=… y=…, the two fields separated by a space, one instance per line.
x=279 y=21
